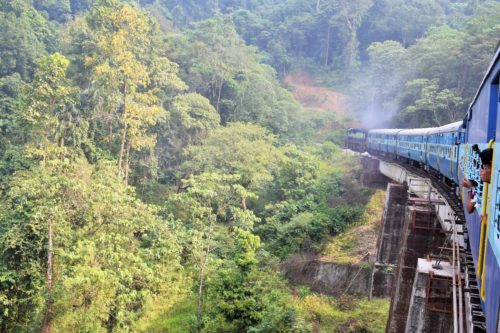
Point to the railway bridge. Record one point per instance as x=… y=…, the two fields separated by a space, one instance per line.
x=423 y=245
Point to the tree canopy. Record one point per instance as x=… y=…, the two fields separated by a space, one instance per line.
x=155 y=170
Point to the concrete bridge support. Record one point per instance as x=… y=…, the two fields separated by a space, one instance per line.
x=415 y=219
x=415 y=243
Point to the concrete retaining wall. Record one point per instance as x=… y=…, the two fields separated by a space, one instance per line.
x=328 y=277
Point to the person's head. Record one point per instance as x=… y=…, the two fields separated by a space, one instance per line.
x=485 y=173
x=486 y=159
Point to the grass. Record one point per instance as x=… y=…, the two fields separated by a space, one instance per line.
x=179 y=319
x=326 y=313
x=352 y=246
x=344 y=314
x=348 y=313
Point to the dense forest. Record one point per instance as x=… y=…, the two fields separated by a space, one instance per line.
x=155 y=171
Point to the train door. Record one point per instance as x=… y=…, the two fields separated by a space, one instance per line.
x=454 y=155
x=457 y=141
x=438 y=151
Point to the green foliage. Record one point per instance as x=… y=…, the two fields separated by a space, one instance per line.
x=402 y=21
x=346 y=314
x=191 y=118
x=217 y=64
x=180 y=318
x=129 y=78
x=99 y=226
x=78 y=6
x=13 y=130
x=194 y=116
x=296 y=175
x=432 y=106
x=237 y=149
x=211 y=197
x=58 y=10
x=210 y=207
x=93 y=95
x=242 y=297
x=26 y=35
x=50 y=111
x=307 y=202
x=431 y=82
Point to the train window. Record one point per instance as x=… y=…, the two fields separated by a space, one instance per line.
x=473 y=163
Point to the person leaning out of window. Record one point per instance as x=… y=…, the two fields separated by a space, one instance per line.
x=486 y=157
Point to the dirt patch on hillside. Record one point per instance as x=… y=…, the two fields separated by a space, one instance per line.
x=316 y=98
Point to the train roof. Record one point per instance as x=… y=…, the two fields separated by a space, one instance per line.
x=354 y=129
x=389 y=131
x=453 y=127
x=416 y=131
x=488 y=72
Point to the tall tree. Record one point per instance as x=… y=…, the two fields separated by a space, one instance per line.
x=344 y=19
x=218 y=65
x=124 y=63
x=51 y=102
x=192 y=117
x=80 y=252
x=239 y=149
x=213 y=53
x=402 y=21
x=209 y=204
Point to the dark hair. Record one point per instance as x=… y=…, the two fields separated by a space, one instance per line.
x=486 y=156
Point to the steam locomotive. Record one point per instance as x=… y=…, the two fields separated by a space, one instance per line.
x=452 y=152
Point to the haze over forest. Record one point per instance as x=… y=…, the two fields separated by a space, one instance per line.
x=156 y=170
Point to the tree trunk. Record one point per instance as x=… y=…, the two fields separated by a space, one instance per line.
x=351 y=47
x=221 y=83
x=110 y=136
x=122 y=148
x=47 y=322
x=201 y=277
x=436 y=118
x=127 y=163
x=125 y=125
x=244 y=203
x=200 y=290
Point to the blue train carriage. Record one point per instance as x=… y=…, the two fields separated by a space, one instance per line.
x=375 y=138
x=383 y=140
x=412 y=144
x=357 y=139
x=482 y=128
x=443 y=149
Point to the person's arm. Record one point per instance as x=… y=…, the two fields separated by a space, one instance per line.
x=469 y=204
